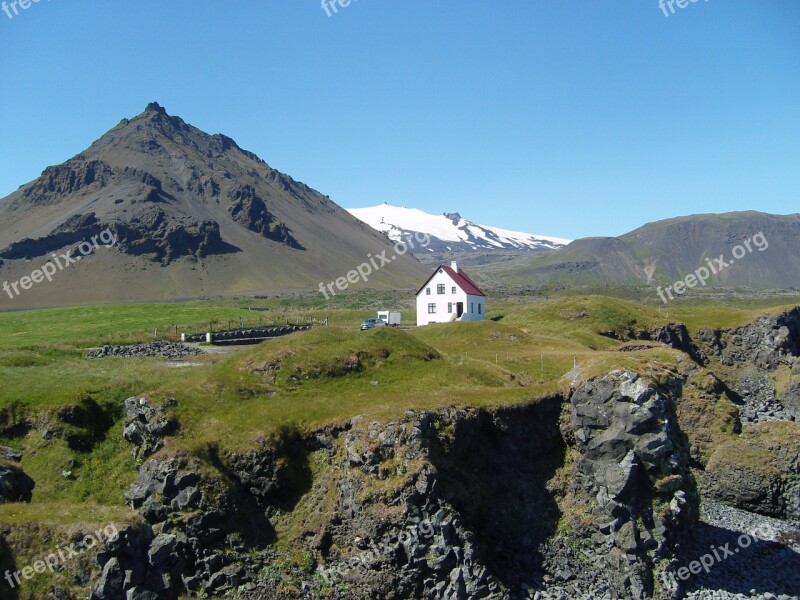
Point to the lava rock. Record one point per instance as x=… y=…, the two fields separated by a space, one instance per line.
x=15 y=484
x=146 y=425
x=163 y=349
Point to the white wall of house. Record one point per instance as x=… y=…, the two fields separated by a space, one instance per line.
x=438 y=302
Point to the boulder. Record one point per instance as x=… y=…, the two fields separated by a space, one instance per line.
x=162 y=550
x=15 y=484
x=146 y=425
x=9 y=454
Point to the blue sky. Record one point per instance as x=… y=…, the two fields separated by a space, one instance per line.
x=568 y=118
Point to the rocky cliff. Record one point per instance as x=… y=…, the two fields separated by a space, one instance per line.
x=755 y=352
x=590 y=495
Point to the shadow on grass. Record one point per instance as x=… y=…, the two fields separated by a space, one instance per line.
x=86 y=423
x=262 y=483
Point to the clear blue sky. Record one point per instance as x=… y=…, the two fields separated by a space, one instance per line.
x=568 y=118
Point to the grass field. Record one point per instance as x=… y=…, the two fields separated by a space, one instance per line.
x=323 y=376
x=43 y=365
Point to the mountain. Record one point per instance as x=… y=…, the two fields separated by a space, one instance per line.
x=757 y=250
x=450 y=232
x=191 y=214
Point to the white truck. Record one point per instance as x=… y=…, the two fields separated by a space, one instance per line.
x=389 y=317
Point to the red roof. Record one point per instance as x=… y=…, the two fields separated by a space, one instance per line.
x=461 y=279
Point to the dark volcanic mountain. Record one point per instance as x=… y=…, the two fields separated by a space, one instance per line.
x=192 y=214
x=663 y=252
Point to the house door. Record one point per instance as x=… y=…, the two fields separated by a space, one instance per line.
x=459 y=309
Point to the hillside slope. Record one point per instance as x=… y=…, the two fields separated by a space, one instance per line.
x=666 y=251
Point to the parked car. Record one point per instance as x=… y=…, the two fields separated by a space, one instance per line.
x=370 y=323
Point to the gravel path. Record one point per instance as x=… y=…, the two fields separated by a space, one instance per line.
x=756 y=568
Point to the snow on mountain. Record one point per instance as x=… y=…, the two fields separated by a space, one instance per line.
x=450 y=231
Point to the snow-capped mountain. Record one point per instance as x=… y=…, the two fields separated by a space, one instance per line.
x=450 y=231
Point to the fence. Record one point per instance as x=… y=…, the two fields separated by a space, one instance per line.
x=243 y=336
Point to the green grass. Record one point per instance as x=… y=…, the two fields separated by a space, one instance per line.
x=581 y=318
x=66 y=513
x=728 y=314
x=327 y=375
x=99 y=477
x=84 y=326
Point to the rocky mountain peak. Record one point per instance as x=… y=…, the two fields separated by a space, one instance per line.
x=155 y=107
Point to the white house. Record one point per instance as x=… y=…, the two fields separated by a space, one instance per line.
x=450 y=295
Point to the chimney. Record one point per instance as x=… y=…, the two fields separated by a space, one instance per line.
x=454 y=266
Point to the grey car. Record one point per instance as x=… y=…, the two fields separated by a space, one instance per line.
x=370 y=323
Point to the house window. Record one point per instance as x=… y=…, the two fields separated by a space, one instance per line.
x=440 y=288
x=479 y=308
x=432 y=309
x=427 y=291
x=471 y=307
x=453 y=290
x=449 y=308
